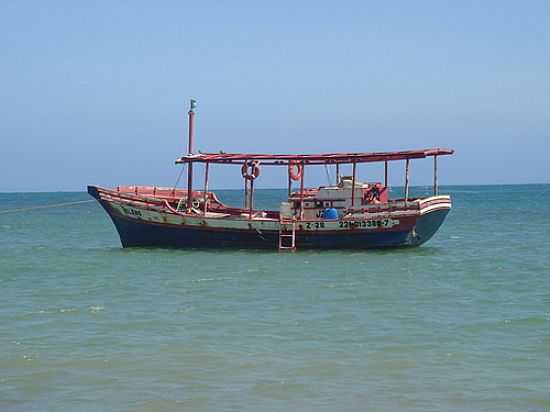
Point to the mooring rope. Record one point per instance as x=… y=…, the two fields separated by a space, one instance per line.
x=26 y=209
x=179 y=177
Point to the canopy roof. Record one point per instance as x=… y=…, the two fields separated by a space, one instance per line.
x=312 y=159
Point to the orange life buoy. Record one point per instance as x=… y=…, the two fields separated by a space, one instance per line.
x=254 y=171
x=295 y=170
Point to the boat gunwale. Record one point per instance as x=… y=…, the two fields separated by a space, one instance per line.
x=413 y=207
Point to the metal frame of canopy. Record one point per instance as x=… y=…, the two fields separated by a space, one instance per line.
x=312 y=159
x=302 y=160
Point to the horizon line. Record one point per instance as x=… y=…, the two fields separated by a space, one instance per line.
x=284 y=188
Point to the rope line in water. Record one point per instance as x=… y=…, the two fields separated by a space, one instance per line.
x=26 y=209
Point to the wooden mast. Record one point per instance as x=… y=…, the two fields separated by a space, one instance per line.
x=191 y=114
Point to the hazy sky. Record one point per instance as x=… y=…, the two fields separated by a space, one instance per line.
x=97 y=92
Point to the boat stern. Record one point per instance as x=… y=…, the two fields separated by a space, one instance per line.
x=433 y=211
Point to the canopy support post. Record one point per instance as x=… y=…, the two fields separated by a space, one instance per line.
x=245 y=193
x=205 y=194
x=189 y=186
x=289 y=182
x=435 y=177
x=337 y=173
x=250 y=199
x=302 y=191
x=407 y=167
x=353 y=184
x=385 y=173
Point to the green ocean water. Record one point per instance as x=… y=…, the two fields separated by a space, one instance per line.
x=459 y=324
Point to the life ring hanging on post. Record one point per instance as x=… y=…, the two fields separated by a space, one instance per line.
x=295 y=170
x=250 y=169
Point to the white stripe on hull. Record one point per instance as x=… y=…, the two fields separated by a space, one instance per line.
x=368 y=221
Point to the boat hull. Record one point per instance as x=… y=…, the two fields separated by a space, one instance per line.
x=141 y=227
x=134 y=234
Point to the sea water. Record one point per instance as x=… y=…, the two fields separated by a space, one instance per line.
x=461 y=323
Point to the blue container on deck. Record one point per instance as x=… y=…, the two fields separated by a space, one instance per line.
x=330 y=213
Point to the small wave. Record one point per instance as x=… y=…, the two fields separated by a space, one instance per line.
x=95 y=309
x=52 y=311
x=68 y=310
x=339 y=284
x=210 y=279
x=40 y=312
x=204 y=280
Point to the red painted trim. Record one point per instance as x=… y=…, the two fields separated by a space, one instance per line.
x=398 y=228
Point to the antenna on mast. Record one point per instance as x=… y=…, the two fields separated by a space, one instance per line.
x=191 y=114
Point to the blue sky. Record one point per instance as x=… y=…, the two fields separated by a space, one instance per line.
x=97 y=92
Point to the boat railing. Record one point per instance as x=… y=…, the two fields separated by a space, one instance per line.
x=400 y=204
x=154 y=191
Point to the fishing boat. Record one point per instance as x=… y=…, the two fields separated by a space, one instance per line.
x=348 y=214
